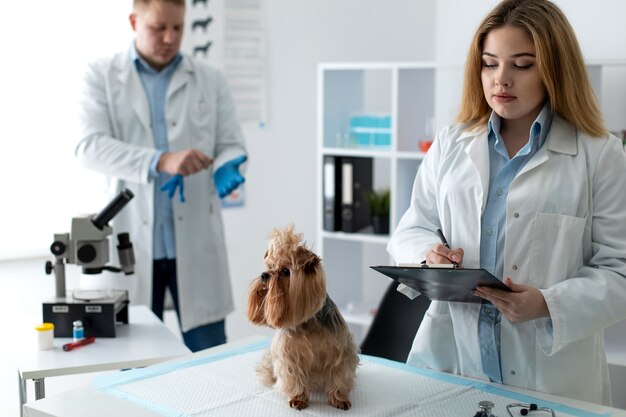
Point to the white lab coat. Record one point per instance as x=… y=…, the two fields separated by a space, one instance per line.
x=117 y=141
x=565 y=234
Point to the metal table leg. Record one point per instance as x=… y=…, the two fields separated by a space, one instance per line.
x=40 y=388
x=22 y=390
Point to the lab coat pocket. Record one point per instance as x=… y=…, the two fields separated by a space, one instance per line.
x=556 y=251
x=434 y=346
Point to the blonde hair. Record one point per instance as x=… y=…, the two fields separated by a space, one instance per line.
x=559 y=61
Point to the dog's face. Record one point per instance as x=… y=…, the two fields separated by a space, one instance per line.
x=293 y=286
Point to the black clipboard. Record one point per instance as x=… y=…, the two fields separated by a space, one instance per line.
x=443 y=284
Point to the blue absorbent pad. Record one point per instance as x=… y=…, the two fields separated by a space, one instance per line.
x=225 y=384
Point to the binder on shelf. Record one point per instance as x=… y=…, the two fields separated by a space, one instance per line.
x=332 y=193
x=356 y=182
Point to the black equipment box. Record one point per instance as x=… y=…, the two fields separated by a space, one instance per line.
x=99 y=314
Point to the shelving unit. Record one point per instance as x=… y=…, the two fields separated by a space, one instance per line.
x=419 y=98
x=609 y=82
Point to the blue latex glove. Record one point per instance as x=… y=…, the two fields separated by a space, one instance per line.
x=175 y=182
x=227 y=177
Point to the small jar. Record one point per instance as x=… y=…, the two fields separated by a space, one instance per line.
x=78 y=332
x=45 y=336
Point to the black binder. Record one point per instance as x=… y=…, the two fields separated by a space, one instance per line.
x=444 y=284
x=356 y=182
x=332 y=193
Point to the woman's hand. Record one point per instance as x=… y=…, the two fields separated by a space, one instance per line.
x=440 y=254
x=522 y=304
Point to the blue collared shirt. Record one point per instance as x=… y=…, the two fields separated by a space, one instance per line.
x=502 y=171
x=155 y=84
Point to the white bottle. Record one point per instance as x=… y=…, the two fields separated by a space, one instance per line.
x=45 y=336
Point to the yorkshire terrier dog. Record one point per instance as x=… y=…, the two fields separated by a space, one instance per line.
x=312 y=348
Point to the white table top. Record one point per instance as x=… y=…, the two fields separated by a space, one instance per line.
x=91 y=402
x=143 y=342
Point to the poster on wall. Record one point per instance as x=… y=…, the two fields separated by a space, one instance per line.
x=230 y=35
x=234 y=199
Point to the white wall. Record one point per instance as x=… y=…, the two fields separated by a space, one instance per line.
x=599 y=26
x=44 y=54
x=281 y=178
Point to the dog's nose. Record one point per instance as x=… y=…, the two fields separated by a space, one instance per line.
x=265 y=277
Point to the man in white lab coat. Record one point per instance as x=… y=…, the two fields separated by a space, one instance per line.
x=152 y=115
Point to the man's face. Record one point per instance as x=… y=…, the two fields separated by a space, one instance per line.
x=158 y=31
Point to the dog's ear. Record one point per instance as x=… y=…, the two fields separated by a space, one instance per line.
x=307 y=285
x=307 y=261
x=310 y=265
x=256 y=301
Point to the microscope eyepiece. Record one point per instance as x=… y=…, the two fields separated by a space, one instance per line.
x=123 y=240
x=126 y=253
x=102 y=219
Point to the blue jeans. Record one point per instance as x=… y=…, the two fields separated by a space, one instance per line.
x=198 y=338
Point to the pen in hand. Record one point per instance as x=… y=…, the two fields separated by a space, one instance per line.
x=444 y=242
x=69 y=346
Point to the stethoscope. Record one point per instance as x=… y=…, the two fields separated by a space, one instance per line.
x=486 y=406
x=527 y=408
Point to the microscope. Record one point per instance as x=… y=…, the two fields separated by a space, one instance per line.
x=88 y=247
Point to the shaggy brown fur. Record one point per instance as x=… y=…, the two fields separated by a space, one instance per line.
x=312 y=348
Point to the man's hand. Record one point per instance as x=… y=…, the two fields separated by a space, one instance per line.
x=186 y=162
x=522 y=304
x=227 y=178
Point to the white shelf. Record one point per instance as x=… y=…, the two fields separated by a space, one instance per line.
x=405 y=92
x=359 y=319
x=373 y=152
x=357 y=237
x=418 y=156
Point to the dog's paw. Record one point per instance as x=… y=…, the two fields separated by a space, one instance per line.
x=298 y=403
x=340 y=404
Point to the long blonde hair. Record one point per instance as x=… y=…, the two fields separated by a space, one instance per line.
x=559 y=61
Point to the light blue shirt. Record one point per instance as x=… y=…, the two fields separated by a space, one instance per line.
x=155 y=84
x=502 y=171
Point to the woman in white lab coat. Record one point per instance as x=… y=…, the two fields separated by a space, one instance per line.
x=561 y=244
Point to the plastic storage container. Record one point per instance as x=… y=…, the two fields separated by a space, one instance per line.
x=45 y=336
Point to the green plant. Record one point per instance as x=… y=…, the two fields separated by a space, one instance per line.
x=378 y=201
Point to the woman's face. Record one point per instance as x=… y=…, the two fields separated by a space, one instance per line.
x=511 y=82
